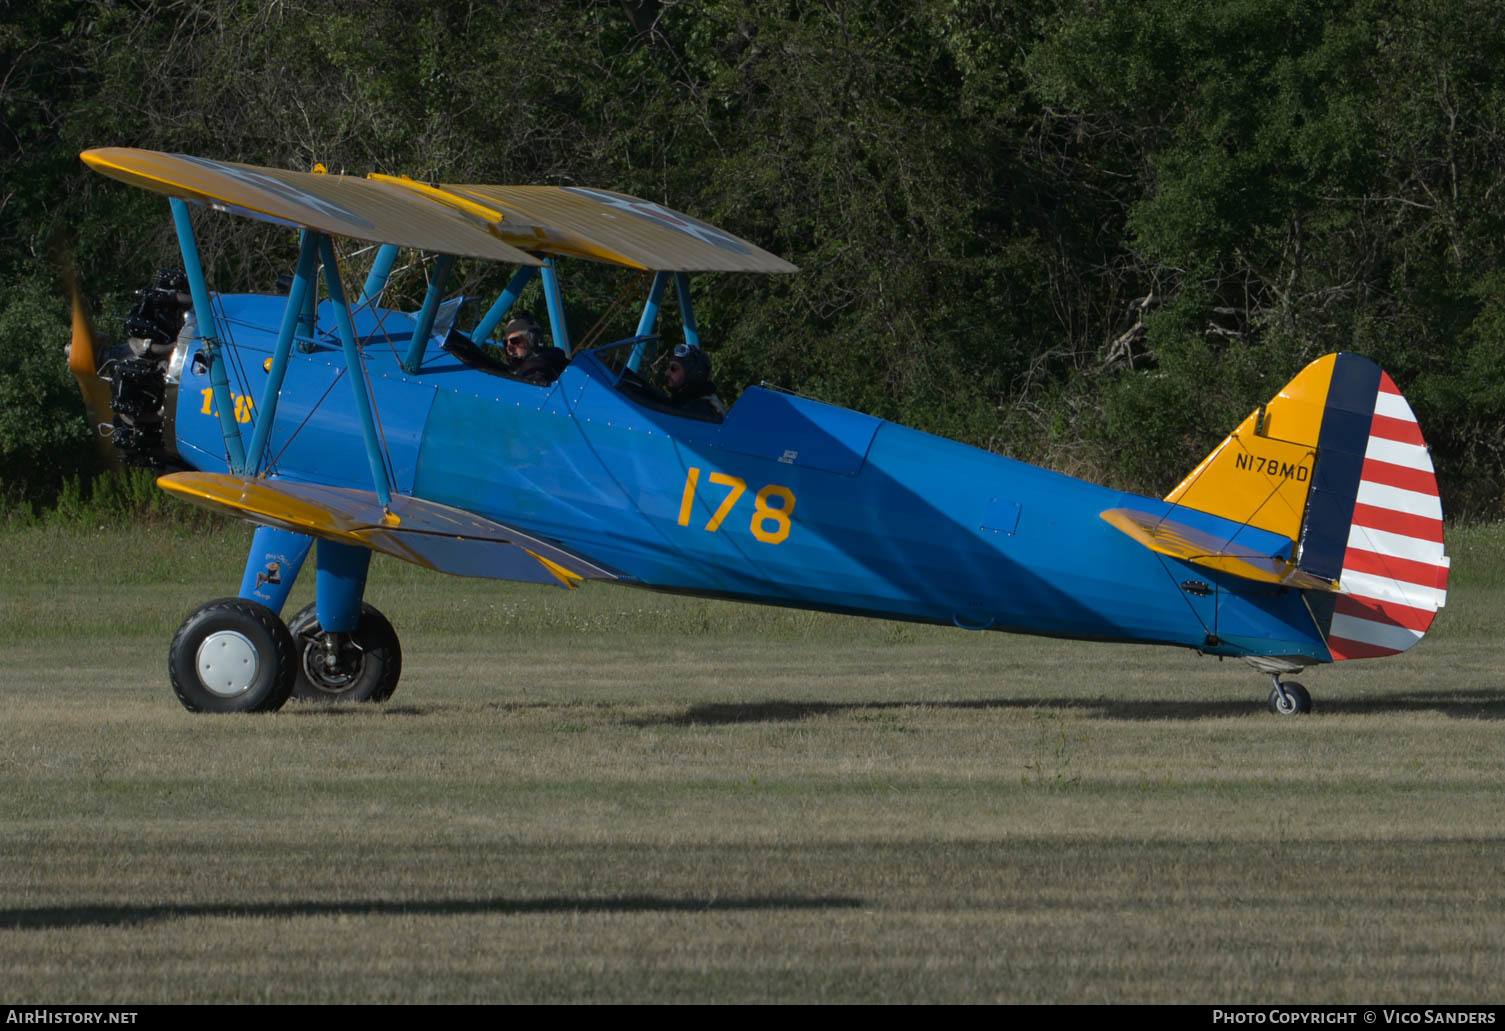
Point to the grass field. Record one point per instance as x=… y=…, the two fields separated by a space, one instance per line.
x=616 y=796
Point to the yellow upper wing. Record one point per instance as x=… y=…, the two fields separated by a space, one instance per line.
x=500 y=223
x=358 y=208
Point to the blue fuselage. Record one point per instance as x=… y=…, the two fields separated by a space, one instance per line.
x=788 y=501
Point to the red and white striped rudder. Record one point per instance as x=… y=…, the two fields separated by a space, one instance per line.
x=1395 y=573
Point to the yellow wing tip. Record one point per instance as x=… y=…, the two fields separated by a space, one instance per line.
x=569 y=579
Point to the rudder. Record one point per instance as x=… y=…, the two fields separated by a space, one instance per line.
x=1394 y=570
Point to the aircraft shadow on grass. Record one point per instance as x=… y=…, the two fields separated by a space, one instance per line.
x=1480 y=704
x=59 y=917
x=1456 y=705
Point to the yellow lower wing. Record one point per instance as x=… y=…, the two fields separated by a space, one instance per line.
x=426 y=533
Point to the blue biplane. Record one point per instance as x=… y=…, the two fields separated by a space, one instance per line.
x=1313 y=533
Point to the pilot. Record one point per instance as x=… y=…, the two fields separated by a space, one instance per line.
x=688 y=377
x=530 y=360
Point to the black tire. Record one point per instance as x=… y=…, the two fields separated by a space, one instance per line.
x=372 y=660
x=1300 y=700
x=232 y=655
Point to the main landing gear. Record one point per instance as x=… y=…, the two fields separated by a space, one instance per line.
x=235 y=654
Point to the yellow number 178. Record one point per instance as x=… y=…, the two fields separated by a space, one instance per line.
x=770 y=523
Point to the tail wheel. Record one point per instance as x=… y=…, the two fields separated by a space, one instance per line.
x=361 y=666
x=1296 y=702
x=232 y=655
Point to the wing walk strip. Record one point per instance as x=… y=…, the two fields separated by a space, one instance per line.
x=1394 y=571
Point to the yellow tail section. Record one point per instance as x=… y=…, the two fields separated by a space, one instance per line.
x=1261 y=474
x=1337 y=465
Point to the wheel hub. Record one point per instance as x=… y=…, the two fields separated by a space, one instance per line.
x=331 y=666
x=227 y=663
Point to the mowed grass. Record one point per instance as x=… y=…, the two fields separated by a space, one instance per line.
x=612 y=795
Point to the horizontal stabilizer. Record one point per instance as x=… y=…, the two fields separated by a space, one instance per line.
x=1211 y=550
x=426 y=533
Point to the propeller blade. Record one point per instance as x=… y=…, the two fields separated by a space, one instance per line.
x=83 y=359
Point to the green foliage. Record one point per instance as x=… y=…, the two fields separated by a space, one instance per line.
x=1022 y=225
x=43 y=433
x=118 y=497
x=1296 y=179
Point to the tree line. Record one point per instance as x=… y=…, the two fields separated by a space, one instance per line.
x=1089 y=234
